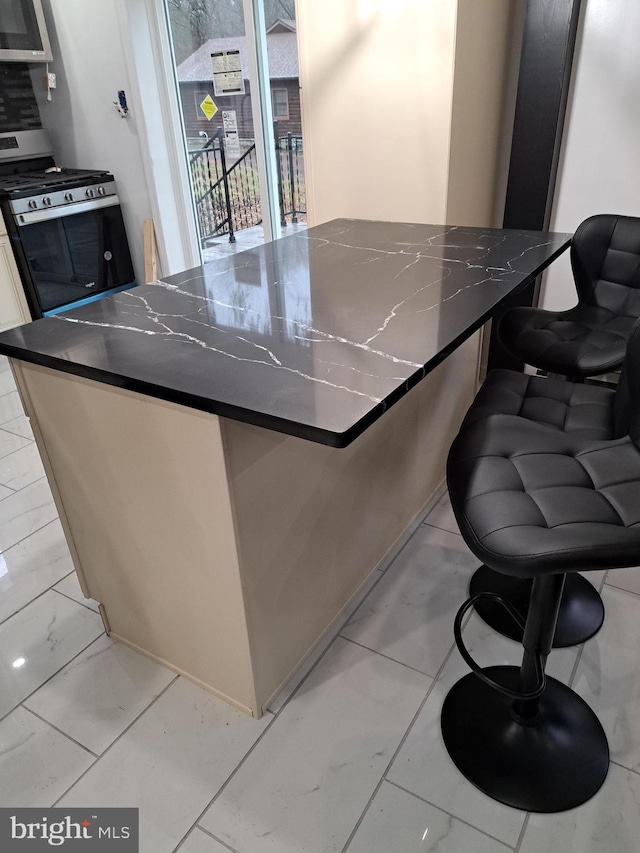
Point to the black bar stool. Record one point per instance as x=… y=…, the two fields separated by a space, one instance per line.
x=587 y=340
x=584 y=411
x=520 y=736
x=539 y=504
x=591 y=338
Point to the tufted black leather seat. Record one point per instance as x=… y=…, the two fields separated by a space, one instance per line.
x=565 y=406
x=534 y=501
x=590 y=338
x=589 y=411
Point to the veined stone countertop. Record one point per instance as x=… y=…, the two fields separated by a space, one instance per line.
x=314 y=335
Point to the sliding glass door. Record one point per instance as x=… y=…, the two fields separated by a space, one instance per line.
x=236 y=72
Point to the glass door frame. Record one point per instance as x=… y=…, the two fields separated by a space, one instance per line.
x=157 y=83
x=256 y=34
x=155 y=108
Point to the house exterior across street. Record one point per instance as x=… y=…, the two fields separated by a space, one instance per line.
x=195 y=78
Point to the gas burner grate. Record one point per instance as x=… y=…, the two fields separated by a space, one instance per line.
x=44 y=179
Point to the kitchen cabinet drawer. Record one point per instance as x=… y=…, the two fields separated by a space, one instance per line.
x=14 y=310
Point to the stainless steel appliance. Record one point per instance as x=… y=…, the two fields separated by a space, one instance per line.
x=23 y=33
x=66 y=226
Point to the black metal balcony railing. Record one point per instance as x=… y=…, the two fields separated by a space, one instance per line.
x=227 y=199
x=292 y=188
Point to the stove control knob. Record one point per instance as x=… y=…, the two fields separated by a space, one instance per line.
x=91 y=193
x=46 y=201
x=33 y=204
x=68 y=196
x=102 y=191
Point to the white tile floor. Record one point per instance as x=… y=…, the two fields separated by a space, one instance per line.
x=350 y=759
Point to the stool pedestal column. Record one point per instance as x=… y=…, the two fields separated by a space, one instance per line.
x=580 y=616
x=541 y=753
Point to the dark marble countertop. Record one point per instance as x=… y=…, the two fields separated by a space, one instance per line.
x=314 y=335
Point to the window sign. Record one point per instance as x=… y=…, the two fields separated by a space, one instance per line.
x=207 y=105
x=231 y=138
x=227 y=73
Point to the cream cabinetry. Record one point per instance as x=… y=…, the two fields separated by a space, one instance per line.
x=273 y=537
x=14 y=310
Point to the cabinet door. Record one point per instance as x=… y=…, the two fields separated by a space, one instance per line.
x=14 y=310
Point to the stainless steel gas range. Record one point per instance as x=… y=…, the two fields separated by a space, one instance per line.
x=66 y=226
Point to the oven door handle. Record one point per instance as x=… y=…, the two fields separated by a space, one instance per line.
x=57 y=212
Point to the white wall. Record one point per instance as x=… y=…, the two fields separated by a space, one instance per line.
x=600 y=159
x=401 y=105
x=376 y=80
x=483 y=95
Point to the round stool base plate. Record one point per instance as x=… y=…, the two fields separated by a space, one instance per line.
x=581 y=610
x=556 y=764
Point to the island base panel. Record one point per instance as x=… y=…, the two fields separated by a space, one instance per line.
x=141 y=489
x=225 y=550
x=313 y=522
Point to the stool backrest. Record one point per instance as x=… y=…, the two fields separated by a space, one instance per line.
x=605 y=257
x=626 y=408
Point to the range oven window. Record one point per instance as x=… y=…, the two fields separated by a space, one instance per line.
x=75 y=256
x=18 y=26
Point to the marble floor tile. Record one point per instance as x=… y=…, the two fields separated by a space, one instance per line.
x=20 y=426
x=7 y=382
x=39 y=640
x=5 y=492
x=608 y=676
x=409 y=615
x=21 y=468
x=24 y=512
x=70 y=586
x=10 y=442
x=10 y=407
x=170 y=763
x=442 y=515
x=100 y=692
x=596 y=578
x=308 y=781
x=292 y=685
x=608 y=823
x=32 y=566
x=200 y=842
x=37 y=763
x=628 y=579
x=423 y=765
x=396 y=820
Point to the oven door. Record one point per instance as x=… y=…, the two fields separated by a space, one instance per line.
x=72 y=253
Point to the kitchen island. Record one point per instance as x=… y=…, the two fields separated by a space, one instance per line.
x=234 y=450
